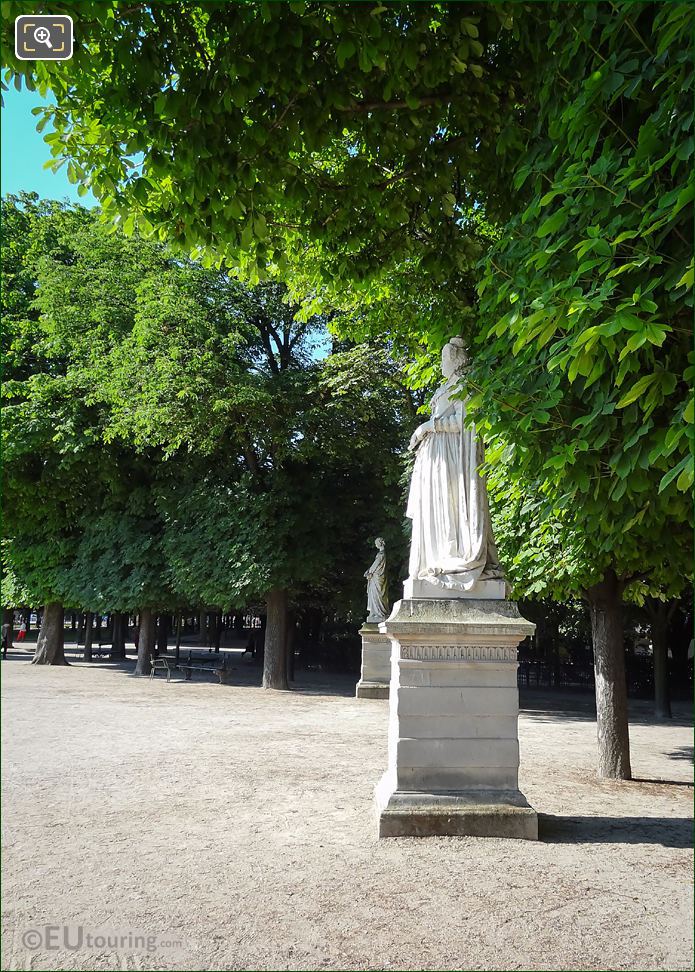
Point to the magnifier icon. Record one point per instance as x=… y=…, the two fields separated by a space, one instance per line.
x=42 y=35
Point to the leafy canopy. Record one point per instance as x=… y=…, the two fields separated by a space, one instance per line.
x=584 y=361
x=171 y=435
x=254 y=130
x=373 y=149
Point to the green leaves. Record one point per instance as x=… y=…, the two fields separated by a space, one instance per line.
x=687 y=279
x=170 y=436
x=638 y=389
x=346 y=48
x=343 y=152
x=610 y=144
x=552 y=223
x=684 y=472
x=312 y=122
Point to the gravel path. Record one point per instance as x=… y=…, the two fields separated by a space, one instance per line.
x=238 y=823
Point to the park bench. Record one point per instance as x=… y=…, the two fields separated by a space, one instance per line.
x=168 y=664
x=221 y=671
x=161 y=663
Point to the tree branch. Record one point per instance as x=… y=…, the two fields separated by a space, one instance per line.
x=250 y=456
x=359 y=106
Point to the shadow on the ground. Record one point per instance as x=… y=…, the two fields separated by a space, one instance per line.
x=543 y=706
x=540 y=705
x=683 y=752
x=666 y=831
x=242 y=672
x=19 y=655
x=322 y=683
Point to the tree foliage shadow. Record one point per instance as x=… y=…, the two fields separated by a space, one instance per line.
x=683 y=752
x=546 y=707
x=242 y=674
x=338 y=685
x=674 y=832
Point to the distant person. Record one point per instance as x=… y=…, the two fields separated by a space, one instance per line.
x=6 y=638
x=135 y=634
x=22 y=633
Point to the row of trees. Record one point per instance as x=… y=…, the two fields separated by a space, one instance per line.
x=520 y=175
x=105 y=338
x=174 y=438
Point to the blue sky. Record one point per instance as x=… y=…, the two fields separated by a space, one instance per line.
x=24 y=152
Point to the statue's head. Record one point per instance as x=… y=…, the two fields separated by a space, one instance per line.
x=380 y=543
x=454 y=357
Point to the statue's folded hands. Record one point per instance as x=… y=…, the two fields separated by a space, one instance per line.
x=420 y=434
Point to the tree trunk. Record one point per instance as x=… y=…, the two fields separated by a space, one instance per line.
x=115 y=634
x=658 y=613
x=179 y=628
x=112 y=632
x=662 y=699
x=203 y=627
x=88 y=635
x=80 y=628
x=605 y=605
x=118 y=633
x=217 y=636
x=145 y=642
x=163 y=632
x=291 y=631
x=50 y=646
x=275 y=652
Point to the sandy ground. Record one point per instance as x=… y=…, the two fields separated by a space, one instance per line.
x=232 y=828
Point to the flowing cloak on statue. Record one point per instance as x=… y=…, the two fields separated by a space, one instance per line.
x=452 y=544
x=377 y=592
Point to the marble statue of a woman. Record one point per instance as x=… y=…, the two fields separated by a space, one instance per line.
x=452 y=545
x=377 y=590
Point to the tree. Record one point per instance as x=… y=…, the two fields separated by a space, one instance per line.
x=589 y=419
x=298 y=150
x=44 y=489
x=197 y=452
x=69 y=294
x=88 y=635
x=50 y=643
x=659 y=614
x=282 y=466
x=372 y=159
x=583 y=361
x=374 y=149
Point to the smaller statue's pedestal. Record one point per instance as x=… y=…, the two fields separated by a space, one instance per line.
x=375 y=675
x=453 y=739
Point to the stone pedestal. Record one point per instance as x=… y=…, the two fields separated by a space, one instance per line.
x=375 y=675
x=453 y=739
x=416 y=589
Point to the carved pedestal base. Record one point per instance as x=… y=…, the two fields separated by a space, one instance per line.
x=415 y=589
x=487 y=813
x=376 y=664
x=453 y=739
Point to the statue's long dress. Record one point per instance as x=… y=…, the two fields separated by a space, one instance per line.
x=452 y=544
x=377 y=591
